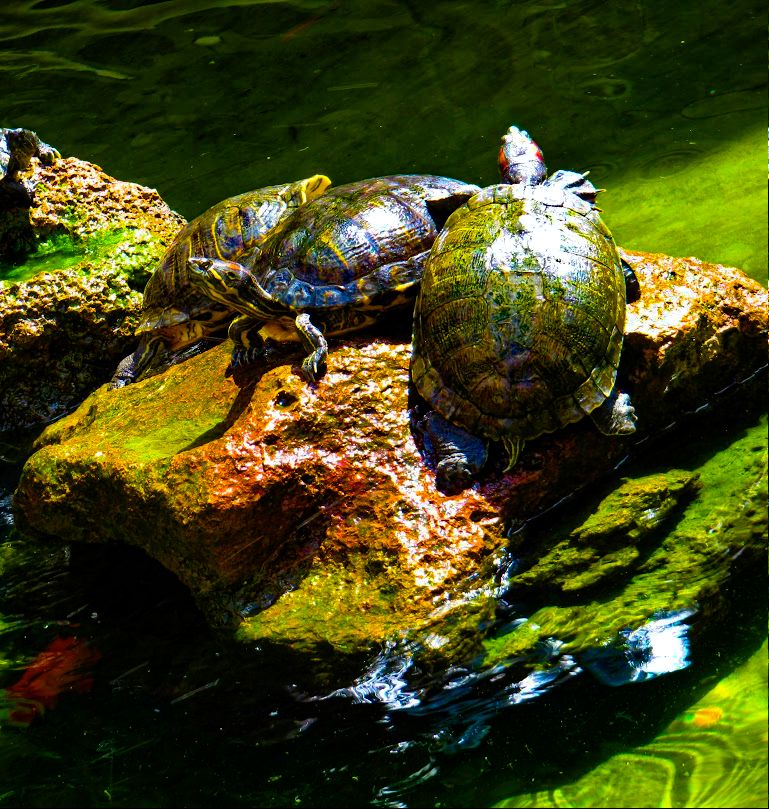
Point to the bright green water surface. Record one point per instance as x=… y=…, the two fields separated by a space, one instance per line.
x=202 y=99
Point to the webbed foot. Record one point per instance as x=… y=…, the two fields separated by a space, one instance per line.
x=248 y=345
x=242 y=356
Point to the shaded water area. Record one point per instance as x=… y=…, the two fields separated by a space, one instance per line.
x=666 y=105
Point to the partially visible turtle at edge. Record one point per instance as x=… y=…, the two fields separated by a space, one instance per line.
x=519 y=321
x=176 y=314
x=335 y=265
x=17 y=148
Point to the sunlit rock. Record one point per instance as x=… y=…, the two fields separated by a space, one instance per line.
x=71 y=295
x=305 y=515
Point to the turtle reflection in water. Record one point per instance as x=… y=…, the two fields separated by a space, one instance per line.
x=334 y=265
x=518 y=324
x=175 y=314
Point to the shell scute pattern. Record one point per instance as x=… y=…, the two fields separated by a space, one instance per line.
x=344 y=236
x=333 y=265
x=519 y=321
x=176 y=313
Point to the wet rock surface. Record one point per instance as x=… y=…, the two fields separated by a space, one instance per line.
x=75 y=264
x=306 y=516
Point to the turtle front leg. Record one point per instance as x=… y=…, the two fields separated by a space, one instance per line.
x=315 y=341
x=248 y=343
x=457 y=455
x=616 y=416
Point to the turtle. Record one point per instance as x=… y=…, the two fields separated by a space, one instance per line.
x=519 y=320
x=17 y=148
x=176 y=314
x=334 y=265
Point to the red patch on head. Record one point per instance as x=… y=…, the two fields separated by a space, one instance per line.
x=502 y=158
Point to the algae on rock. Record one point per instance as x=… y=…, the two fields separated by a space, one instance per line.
x=68 y=314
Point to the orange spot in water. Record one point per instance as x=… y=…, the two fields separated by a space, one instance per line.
x=707 y=717
x=62 y=666
x=303 y=26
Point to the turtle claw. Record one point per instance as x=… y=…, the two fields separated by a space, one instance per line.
x=245 y=356
x=313 y=368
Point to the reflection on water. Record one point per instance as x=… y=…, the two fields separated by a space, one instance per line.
x=658 y=647
x=203 y=99
x=698 y=760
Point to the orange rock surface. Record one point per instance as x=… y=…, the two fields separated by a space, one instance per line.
x=306 y=514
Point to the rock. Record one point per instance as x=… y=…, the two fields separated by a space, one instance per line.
x=70 y=316
x=306 y=517
x=607 y=543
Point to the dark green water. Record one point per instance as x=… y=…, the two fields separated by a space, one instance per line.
x=665 y=103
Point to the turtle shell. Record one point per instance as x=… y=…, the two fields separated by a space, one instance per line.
x=228 y=230
x=518 y=324
x=344 y=247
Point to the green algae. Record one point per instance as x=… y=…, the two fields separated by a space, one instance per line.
x=179 y=423
x=606 y=544
x=55 y=253
x=132 y=252
x=718 y=535
x=652 y=207
x=326 y=608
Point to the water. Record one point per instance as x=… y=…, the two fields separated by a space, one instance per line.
x=666 y=104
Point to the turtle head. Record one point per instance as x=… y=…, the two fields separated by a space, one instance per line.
x=575 y=183
x=520 y=159
x=23 y=145
x=226 y=282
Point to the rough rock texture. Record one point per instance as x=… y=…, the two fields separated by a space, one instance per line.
x=62 y=331
x=305 y=515
x=79 y=198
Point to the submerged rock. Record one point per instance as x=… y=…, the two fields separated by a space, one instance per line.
x=607 y=544
x=306 y=516
x=69 y=308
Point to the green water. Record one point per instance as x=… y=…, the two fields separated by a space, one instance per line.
x=202 y=99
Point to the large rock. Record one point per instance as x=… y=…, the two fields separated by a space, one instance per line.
x=68 y=313
x=306 y=516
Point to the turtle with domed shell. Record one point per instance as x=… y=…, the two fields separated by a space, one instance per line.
x=520 y=317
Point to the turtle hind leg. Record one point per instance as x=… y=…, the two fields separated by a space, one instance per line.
x=458 y=456
x=134 y=365
x=386 y=284
x=316 y=342
x=247 y=342
x=616 y=416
